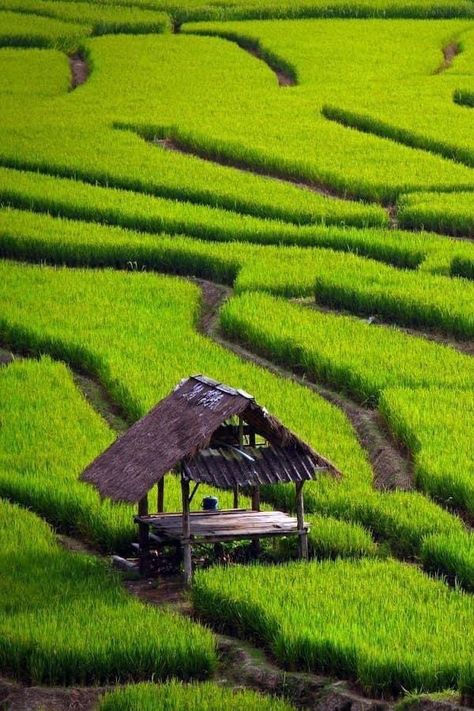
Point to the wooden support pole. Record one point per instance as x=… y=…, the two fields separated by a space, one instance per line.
x=236 y=496
x=256 y=498
x=256 y=507
x=187 y=551
x=303 y=535
x=143 y=537
x=160 y=504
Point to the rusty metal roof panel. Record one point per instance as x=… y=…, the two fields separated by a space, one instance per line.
x=227 y=467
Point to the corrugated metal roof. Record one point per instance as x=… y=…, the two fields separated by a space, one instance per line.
x=227 y=467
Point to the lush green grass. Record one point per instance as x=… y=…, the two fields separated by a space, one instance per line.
x=101 y=17
x=153 y=214
x=341 y=280
x=192 y=697
x=52 y=604
x=383 y=623
x=332 y=538
x=441 y=212
x=342 y=351
x=436 y=425
x=452 y=556
x=400 y=87
x=464 y=98
x=41 y=458
x=463 y=266
x=33 y=72
x=19 y=30
x=94 y=331
x=229 y=9
x=212 y=96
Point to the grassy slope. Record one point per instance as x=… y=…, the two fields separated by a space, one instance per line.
x=383 y=623
x=53 y=602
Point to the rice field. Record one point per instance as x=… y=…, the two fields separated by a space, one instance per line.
x=280 y=196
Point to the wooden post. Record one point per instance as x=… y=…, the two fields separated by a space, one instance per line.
x=187 y=551
x=256 y=507
x=143 y=537
x=236 y=496
x=161 y=495
x=302 y=534
x=256 y=498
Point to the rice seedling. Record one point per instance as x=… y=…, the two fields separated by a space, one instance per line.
x=383 y=623
x=342 y=351
x=451 y=556
x=441 y=212
x=53 y=602
x=33 y=72
x=436 y=425
x=191 y=81
x=101 y=17
x=190 y=697
x=74 y=199
x=20 y=30
x=41 y=458
x=341 y=280
x=332 y=538
x=94 y=332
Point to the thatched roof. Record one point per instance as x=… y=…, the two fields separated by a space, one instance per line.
x=180 y=427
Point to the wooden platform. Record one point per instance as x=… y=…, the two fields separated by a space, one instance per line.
x=221 y=526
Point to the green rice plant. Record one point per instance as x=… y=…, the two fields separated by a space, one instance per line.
x=332 y=538
x=342 y=351
x=463 y=267
x=94 y=331
x=41 y=458
x=452 y=213
x=436 y=425
x=342 y=280
x=191 y=697
x=19 y=30
x=464 y=98
x=383 y=623
x=53 y=602
x=399 y=90
x=418 y=300
x=451 y=556
x=217 y=100
x=27 y=235
x=253 y=9
x=131 y=209
x=101 y=17
x=33 y=72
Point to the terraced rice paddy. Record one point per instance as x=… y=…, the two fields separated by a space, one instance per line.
x=278 y=195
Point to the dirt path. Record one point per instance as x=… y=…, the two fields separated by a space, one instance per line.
x=450 y=51
x=18 y=697
x=79 y=70
x=391 y=464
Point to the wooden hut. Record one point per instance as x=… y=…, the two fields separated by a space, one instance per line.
x=207 y=432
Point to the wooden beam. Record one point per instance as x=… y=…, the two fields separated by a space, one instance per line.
x=236 y=497
x=187 y=550
x=143 y=537
x=303 y=534
x=160 y=507
x=196 y=487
